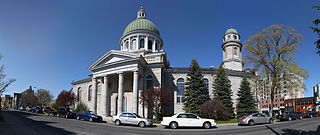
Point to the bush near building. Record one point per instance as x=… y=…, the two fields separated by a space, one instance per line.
x=214 y=109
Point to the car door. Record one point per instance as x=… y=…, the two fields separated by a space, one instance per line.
x=255 y=118
x=183 y=120
x=194 y=120
x=124 y=118
x=132 y=119
x=263 y=118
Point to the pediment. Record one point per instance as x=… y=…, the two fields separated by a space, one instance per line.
x=113 y=57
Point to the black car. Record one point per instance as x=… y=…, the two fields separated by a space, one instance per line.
x=65 y=112
x=310 y=114
x=290 y=116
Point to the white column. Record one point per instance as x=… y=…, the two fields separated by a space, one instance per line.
x=154 y=45
x=120 y=93
x=129 y=45
x=94 y=94
x=146 y=43
x=138 y=43
x=104 y=97
x=135 y=92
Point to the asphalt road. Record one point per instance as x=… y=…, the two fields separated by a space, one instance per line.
x=22 y=123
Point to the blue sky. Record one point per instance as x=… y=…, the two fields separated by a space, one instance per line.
x=47 y=44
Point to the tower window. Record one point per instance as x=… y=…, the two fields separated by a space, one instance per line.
x=235 y=37
x=157 y=46
x=126 y=45
x=180 y=91
x=149 y=45
x=149 y=81
x=141 y=43
x=235 y=51
x=134 y=44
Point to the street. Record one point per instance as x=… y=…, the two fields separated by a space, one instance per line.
x=22 y=123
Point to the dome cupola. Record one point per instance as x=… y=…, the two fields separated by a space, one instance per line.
x=141 y=35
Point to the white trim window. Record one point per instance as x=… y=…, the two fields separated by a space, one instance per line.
x=180 y=90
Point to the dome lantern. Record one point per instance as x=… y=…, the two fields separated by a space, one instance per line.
x=141 y=13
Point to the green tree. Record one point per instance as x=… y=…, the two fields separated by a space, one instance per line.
x=246 y=102
x=196 y=91
x=44 y=97
x=222 y=90
x=317 y=30
x=272 y=54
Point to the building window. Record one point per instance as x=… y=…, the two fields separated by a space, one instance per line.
x=126 y=45
x=149 y=45
x=134 y=45
x=207 y=84
x=235 y=51
x=99 y=88
x=141 y=43
x=90 y=93
x=79 y=94
x=180 y=91
x=156 y=46
x=149 y=81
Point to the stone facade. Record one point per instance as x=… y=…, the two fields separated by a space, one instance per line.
x=141 y=63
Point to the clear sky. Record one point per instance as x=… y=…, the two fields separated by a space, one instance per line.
x=47 y=43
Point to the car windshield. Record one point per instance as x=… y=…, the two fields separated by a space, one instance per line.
x=137 y=115
x=92 y=113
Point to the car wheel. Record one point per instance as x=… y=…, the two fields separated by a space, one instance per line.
x=117 y=122
x=300 y=117
x=173 y=125
x=58 y=115
x=90 y=119
x=250 y=123
x=311 y=116
x=142 y=124
x=290 y=119
x=78 y=118
x=207 y=125
x=270 y=121
x=67 y=117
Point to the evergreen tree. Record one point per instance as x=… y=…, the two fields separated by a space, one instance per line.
x=196 y=91
x=222 y=90
x=246 y=102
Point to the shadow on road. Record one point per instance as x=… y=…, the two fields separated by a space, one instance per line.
x=21 y=124
x=295 y=132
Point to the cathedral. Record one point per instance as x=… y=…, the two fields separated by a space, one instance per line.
x=119 y=76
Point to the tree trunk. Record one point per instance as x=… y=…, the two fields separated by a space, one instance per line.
x=271 y=102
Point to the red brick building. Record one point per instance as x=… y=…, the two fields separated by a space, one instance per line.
x=300 y=104
x=278 y=104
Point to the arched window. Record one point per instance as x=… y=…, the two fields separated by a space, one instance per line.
x=207 y=82
x=90 y=93
x=235 y=37
x=79 y=94
x=149 y=45
x=180 y=91
x=126 y=45
x=134 y=45
x=235 y=49
x=149 y=81
x=157 y=46
x=141 y=43
x=99 y=88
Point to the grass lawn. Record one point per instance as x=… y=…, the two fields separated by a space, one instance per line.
x=235 y=120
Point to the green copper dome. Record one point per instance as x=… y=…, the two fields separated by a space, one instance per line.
x=141 y=24
x=231 y=30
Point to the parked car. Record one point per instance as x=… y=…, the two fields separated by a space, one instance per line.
x=88 y=115
x=255 y=118
x=290 y=116
x=28 y=109
x=187 y=120
x=318 y=112
x=131 y=119
x=21 y=108
x=65 y=112
x=309 y=114
x=52 y=112
x=46 y=109
x=36 y=109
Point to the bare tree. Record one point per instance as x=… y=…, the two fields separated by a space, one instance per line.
x=4 y=83
x=214 y=109
x=44 y=97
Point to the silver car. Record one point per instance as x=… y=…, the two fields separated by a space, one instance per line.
x=131 y=119
x=255 y=118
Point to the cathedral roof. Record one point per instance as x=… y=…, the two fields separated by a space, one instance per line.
x=231 y=30
x=141 y=24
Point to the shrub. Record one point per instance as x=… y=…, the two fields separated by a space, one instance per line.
x=214 y=109
x=81 y=106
